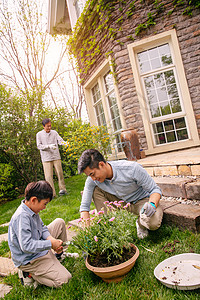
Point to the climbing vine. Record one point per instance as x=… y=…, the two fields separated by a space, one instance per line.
x=96 y=25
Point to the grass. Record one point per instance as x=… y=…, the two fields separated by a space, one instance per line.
x=139 y=283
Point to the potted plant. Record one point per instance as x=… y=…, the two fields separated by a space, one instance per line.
x=108 y=242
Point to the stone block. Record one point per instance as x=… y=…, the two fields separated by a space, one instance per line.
x=193 y=190
x=184 y=216
x=149 y=170
x=172 y=187
x=7 y=266
x=166 y=170
x=184 y=170
x=195 y=170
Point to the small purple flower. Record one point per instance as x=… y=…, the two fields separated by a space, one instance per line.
x=79 y=220
x=121 y=201
x=98 y=221
x=100 y=212
x=92 y=218
x=96 y=238
x=108 y=205
x=93 y=212
x=105 y=202
x=112 y=219
x=69 y=226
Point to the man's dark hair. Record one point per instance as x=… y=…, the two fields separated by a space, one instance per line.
x=40 y=189
x=90 y=158
x=45 y=121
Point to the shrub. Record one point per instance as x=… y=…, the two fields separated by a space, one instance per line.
x=79 y=137
x=7 y=183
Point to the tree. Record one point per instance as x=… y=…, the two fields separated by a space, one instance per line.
x=71 y=91
x=25 y=43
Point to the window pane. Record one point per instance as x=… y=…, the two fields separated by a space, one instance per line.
x=168 y=125
x=182 y=134
x=175 y=105
x=158 y=127
x=171 y=137
x=159 y=80
x=155 y=111
x=169 y=77
x=165 y=108
x=108 y=82
x=96 y=93
x=162 y=94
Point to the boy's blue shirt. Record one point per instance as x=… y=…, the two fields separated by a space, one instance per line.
x=130 y=183
x=27 y=236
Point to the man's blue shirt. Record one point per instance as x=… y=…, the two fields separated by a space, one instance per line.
x=130 y=183
x=27 y=236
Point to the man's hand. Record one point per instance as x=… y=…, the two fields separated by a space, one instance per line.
x=56 y=244
x=52 y=146
x=86 y=218
x=149 y=209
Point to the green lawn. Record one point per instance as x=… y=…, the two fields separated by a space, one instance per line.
x=140 y=282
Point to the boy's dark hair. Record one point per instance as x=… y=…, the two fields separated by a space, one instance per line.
x=90 y=158
x=40 y=189
x=45 y=121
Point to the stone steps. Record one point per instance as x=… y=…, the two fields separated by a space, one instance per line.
x=186 y=188
x=184 y=216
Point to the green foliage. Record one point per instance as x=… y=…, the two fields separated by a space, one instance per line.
x=96 y=25
x=7 y=182
x=140 y=283
x=79 y=137
x=4 y=248
x=19 y=124
x=108 y=234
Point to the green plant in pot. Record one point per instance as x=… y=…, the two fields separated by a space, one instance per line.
x=108 y=242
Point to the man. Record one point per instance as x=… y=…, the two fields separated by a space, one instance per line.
x=47 y=142
x=120 y=180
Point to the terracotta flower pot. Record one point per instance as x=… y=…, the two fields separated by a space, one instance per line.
x=115 y=273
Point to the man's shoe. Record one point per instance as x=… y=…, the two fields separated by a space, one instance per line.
x=26 y=279
x=63 y=192
x=141 y=232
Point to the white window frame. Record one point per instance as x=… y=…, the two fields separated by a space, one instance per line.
x=72 y=11
x=148 y=43
x=98 y=76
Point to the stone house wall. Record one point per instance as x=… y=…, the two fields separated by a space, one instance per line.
x=188 y=33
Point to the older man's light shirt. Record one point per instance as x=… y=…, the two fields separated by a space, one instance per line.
x=44 y=139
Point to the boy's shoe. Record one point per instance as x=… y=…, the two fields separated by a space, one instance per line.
x=141 y=232
x=63 y=192
x=26 y=279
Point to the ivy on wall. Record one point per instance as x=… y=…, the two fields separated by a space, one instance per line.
x=95 y=25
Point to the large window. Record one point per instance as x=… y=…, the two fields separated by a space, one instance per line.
x=163 y=93
x=157 y=71
x=105 y=106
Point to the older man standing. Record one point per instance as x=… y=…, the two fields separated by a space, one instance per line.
x=47 y=142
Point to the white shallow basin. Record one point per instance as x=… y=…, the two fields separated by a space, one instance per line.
x=179 y=271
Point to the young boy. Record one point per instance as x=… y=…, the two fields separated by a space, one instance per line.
x=30 y=241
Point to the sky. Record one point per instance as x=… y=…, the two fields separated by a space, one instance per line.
x=51 y=58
